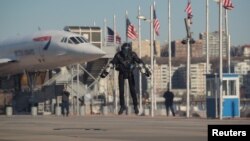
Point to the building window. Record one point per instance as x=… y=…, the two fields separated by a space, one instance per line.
x=96 y=37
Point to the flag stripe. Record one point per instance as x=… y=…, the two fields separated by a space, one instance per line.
x=110 y=36
x=189 y=10
x=156 y=24
x=227 y=4
x=131 y=31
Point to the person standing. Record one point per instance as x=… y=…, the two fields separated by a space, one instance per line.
x=169 y=97
x=65 y=102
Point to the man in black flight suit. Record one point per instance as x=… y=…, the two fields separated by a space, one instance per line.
x=125 y=62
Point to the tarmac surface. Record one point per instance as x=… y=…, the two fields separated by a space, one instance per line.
x=107 y=128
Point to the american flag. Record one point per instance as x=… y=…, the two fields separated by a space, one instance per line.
x=227 y=4
x=110 y=36
x=131 y=31
x=156 y=24
x=189 y=10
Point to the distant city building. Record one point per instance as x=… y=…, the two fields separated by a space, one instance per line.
x=214 y=44
x=92 y=34
x=198 y=79
x=243 y=69
x=179 y=76
x=145 y=48
x=236 y=51
x=246 y=85
x=246 y=50
x=180 y=49
x=196 y=49
x=161 y=76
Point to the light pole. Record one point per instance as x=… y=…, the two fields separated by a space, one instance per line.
x=221 y=65
x=169 y=45
x=188 y=41
x=152 y=60
x=140 y=17
x=139 y=44
x=207 y=37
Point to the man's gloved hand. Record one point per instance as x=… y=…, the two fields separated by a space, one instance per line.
x=103 y=74
x=106 y=70
x=147 y=72
x=144 y=69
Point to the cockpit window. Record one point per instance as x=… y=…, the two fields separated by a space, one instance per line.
x=64 y=40
x=70 y=42
x=84 y=39
x=79 y=39
x=74 y=40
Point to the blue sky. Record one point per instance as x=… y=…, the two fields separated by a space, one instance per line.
x=20 y=17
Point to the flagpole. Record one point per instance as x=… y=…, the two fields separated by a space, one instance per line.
x=207 y=49
x=152 y=62
x=126 y=26
x=105 y=33
x=115 y=72
x=226 y=21
x=229 y=53
x=228 y=45
x=228 y=40
x=139 y=44
x=187 y=25
x=188 y=77
x=221 y=65
x=114 y=29
x=207 y=36
x=126 y=81
x=169 y=45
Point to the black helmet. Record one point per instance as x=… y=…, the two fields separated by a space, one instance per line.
x=126 y=48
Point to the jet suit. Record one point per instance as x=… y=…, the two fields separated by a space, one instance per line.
x=125 y=61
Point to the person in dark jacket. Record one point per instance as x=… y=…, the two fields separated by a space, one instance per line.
x=169 y=97
x=125 y=61
x=65 y=102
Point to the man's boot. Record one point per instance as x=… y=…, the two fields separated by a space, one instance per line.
x=136 y=110
x=123 y=108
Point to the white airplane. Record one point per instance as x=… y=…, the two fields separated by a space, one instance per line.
x=45 y=50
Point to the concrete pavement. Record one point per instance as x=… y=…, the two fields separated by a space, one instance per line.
x=106 y=128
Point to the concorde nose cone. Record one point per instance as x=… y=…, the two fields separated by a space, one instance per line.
x=99 y=52
x=94 y=52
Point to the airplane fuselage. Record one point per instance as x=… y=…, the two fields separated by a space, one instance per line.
x=45 y=50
